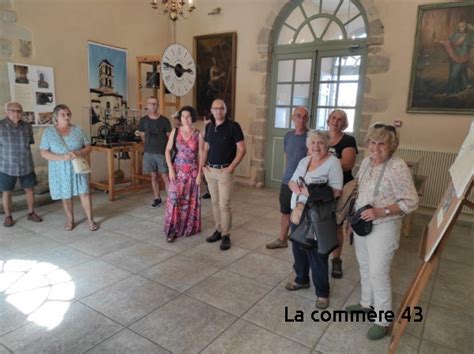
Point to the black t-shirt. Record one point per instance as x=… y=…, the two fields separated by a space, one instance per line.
x=155 y=131
x=346 y=141
x=223 y=141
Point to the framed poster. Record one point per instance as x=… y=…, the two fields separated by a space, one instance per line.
x=107 y=84
x=216 y=71
x=442 y=76
x=33 y=87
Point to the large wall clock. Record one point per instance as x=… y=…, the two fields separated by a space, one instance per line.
x=178 y=69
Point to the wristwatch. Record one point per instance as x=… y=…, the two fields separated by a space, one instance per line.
x=387 y=211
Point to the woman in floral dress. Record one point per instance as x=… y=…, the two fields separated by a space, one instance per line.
x=183 y=206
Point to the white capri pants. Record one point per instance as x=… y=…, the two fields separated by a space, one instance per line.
x=375 y=254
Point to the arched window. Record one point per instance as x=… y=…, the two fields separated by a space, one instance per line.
x=319 y=55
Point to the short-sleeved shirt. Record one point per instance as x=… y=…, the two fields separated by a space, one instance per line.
x=15 y=153
x=156 y=133
x=63 y=182
x=330 y=170
x=222 y=140
x=346 y=141
x=295 y=149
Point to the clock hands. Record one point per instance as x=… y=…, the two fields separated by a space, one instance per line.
x=178 y=69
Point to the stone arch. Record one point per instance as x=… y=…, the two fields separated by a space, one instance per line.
x=377 y=63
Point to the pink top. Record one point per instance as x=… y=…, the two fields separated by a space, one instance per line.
x=396 y=186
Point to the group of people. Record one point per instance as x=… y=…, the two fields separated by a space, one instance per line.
x=60 y=144
x=183 y=156
x=384 y=181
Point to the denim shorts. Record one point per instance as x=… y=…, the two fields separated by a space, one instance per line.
x=154 y=163
x=7 y=182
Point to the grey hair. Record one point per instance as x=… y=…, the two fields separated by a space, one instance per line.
x=318 y=134
x=344 y=116
x=58 y=108
x=12 y=103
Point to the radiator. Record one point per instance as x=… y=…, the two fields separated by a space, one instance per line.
x=435 y=165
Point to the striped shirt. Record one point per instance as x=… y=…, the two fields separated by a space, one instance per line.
x=15 y=153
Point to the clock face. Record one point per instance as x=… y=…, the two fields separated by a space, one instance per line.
x=178 y=69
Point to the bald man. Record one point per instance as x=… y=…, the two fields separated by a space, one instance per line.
x=224 y=148
x=294 y=145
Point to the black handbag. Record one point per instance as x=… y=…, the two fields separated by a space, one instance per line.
x=301 y=232
x=360 y=226
x=174 y=150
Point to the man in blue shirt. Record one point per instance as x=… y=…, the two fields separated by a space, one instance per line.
x=295 y=149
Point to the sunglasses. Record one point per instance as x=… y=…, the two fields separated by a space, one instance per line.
x=389 y=128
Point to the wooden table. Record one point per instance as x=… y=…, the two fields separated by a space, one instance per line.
x=133 y=183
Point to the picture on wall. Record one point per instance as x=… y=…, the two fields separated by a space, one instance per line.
x=33 y=87
x=216 y=70
x=442 y=75
x=107 y=84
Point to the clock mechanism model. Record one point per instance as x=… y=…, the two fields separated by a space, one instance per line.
x=178 y=69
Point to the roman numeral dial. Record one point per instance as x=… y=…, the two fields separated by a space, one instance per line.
x=178 y=69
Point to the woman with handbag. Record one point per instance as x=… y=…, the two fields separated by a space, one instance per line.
x=344 y=147
x=319 y=165
x=183 y=206
x=386 y=192
x=60 y=145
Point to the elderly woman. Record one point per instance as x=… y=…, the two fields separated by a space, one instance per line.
x=60 y=144
x=183 y=206
x=320 y=164
x=385 y=182
x=344 y=147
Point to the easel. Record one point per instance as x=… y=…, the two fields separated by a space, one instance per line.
x=432 y=244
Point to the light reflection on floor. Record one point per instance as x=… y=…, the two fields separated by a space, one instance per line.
x=40 y=290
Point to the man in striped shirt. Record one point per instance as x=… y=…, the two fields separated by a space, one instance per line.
x=16 y=161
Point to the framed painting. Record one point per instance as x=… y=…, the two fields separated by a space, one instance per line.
x=107 y=84
x=216 y=69
x=442 y=74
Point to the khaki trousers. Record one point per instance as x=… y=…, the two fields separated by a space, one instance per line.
x=220 y=187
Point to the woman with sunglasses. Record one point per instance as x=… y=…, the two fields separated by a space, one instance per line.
x=386 y=183
x=344 y=147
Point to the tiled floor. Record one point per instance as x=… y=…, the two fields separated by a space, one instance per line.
x=124 y=289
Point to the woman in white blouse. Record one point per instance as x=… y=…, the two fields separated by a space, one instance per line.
x=385 y=182
x=320 y=164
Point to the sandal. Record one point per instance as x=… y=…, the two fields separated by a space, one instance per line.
x=292 y=286
x=69 y=226
x=93 y=226
x=170 y=239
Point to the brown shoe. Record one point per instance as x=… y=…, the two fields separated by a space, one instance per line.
x=8 y=221
x=292 y=286
x=35 y=217
x=277 y=244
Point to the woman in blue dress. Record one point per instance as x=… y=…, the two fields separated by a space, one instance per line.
x=60 y=144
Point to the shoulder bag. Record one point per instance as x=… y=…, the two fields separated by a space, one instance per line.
x=297 y=212
x=359 y=225
x=174 y=150
x=79 y=163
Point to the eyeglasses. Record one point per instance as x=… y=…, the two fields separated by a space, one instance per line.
x=387 y=127
x=14 y=110
x=216 y=109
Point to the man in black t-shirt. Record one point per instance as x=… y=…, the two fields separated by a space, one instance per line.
x=154 y=131
x=224 y=148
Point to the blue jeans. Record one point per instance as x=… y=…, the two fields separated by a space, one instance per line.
x=318 y=263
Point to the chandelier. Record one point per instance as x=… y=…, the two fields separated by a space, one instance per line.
x=173 y=8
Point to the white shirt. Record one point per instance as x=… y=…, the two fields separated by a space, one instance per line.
x=330 y=170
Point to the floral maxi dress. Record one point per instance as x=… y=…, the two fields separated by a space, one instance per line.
x=183 y=206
